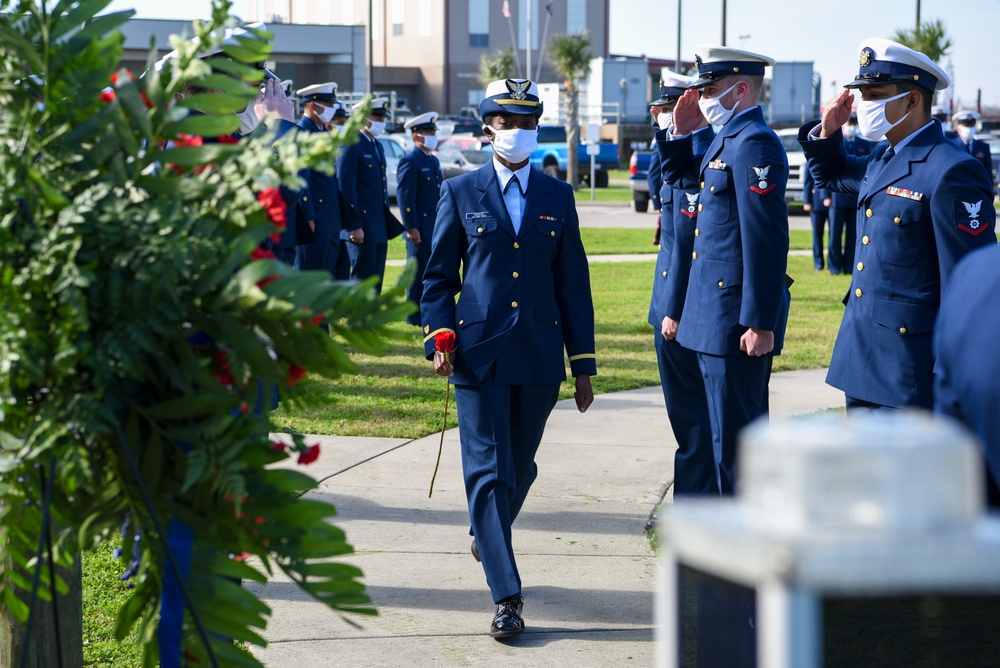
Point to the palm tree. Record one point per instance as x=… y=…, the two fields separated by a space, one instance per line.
x=571 y=56
x=500 y=66
x=930 y=39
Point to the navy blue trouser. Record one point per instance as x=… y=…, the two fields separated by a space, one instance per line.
x=420 y=253
x=736 y=388
x=368 y=259
x=819 y=219
x=843 y=224
x=321 y=254
x=285 y=254
x=500 y=427
x=687 y=408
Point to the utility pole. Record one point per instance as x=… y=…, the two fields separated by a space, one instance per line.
x=918 y=15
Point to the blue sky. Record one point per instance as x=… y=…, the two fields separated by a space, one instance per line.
x=800 y=30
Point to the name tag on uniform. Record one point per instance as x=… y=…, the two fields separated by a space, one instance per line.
x=366 y=155
x=425 y=169
x=478 y=214
x=903 y=192
x=716 y=164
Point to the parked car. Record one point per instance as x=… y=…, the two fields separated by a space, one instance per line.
x=638 y=170
x=796 y=165
x=466 y=141
x=552 y=151
x=455 y=161
x=394 y=150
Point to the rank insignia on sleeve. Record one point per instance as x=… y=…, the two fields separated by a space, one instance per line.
x=967 y=216
x=692 y=205
x=762 y=187
x=903 y=192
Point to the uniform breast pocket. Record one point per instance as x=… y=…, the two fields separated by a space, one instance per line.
x=715 y=196
x=549 y=228
x=480 y=227
x=900 y=232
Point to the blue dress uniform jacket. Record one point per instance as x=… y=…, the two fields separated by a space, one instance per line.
x=741 y=246
x=918 y=214
x=979 y=150
x=965 y=378
x=363 y=185
x=524 y=297
x=419 y=188
x=680 y=377
x=654 y=179
x=816 y=197
x=320 y=203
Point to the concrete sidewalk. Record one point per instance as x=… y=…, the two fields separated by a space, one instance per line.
x=586 y=565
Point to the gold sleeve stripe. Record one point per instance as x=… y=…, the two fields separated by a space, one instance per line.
x=436 y=332
x=589 y=356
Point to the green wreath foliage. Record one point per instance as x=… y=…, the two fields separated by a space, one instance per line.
x=139 y=332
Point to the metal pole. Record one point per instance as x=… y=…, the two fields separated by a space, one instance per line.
x=527 y=47
x=723 y=22
x=677 y=65
x=371 y=48
x=918 y=16
x=541 y=51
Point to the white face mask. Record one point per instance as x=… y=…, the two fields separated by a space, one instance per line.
x=248 y=120
x=430 y=142
x=966 y=132
x=872 y=123
x=376 y=127
x=324 y=114
x=516 y=145
x=850 y=131
x=665 y=119
x=714 y=111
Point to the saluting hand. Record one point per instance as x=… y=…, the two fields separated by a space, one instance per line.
x=272 y=102
x=687 y=113
x=836 y=113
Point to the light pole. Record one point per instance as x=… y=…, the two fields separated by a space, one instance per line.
x=723 y=22
x=678 y=66
x=918 y=15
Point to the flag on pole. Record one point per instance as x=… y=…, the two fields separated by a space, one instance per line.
x=506 y=9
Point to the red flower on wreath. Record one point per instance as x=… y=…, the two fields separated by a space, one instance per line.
x=107 y=95
x=274 y=206
x=310 y=455
x=295 y=374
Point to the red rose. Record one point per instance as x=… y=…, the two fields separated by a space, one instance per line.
x=295 y=374
x=310 y=455
x=107 y=95
x=228 y=139
x=259 y=253
x=444 y=342
x=183 y=140
x=274 y=206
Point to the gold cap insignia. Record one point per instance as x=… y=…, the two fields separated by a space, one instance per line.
x=518 y=89
x=866 y=57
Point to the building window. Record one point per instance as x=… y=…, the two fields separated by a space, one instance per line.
x=479 y=23
x=576 y=16
x=425 y=18
x=398 y=17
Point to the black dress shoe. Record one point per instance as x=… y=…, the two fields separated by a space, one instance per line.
x=475 y=550
x=508 y=622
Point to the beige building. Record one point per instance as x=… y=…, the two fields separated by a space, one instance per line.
x=428 y=51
